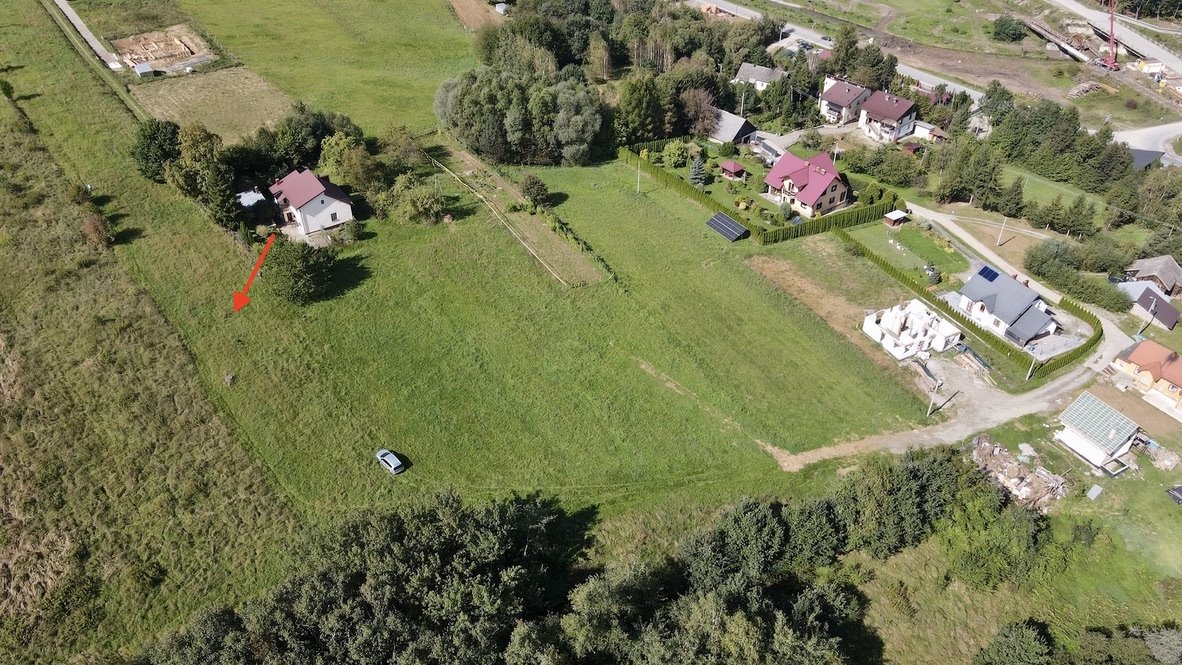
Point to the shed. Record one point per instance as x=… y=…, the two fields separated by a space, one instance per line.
x=895 y=218
x=1099 y=434
x=144 y=70
x=502 y=8
x=732 y=170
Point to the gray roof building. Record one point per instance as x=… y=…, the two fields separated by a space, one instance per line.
x=731 y=128
x=1163 y=270
x=1097 y=432
x=749 y=73
x=1014 y=303
x=1143 y=159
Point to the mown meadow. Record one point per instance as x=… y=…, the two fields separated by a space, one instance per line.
x=650 y=399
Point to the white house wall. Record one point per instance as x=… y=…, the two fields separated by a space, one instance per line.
x=317 y=214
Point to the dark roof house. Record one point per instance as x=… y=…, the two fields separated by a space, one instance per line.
x=1159 y=308
x=1014 y=303
x=843 y=93
x=885 y=106
x=749 y=73
x=731 y=128
x=1143 y=159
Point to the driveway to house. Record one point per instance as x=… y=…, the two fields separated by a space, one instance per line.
x=975 y=407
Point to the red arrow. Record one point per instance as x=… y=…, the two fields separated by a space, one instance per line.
x=240 y=297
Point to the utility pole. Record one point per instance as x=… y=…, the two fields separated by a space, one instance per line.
x=743 y=102
x=1004 y=219
x=932 y=402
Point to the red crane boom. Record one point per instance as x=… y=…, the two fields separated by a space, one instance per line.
x=1110 y=61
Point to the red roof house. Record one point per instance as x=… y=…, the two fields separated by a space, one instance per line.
x=810 y=186
x=311 y=202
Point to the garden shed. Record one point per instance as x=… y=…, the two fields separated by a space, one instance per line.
x=1097 y=433
x=732 y=170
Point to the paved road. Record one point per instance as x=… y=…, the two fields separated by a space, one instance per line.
x=1158 y=137
x=932 y=80
x=95 y=45
x=1124 y=32
x=737 y=10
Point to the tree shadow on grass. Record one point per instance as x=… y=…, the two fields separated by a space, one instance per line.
x=555 y=199
x=127 y=235
x=347 y=274
x=461 y=208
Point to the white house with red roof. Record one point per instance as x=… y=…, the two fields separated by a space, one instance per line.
x=886 y=117
x=311 y=202
x=810 y=186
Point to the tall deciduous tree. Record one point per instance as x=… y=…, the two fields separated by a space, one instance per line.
x=641 y=115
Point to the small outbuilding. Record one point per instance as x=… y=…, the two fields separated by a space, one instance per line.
x=1150 y=304
x=502 y=8
x=144 y=70
x=731 y=128
x=1097 y=433
x=732 y=170
x=894 y=219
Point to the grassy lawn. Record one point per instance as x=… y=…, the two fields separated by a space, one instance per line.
x=912 y=249
x=452 y=347
x=1044 y=190
x=124 y=492
x=380 y=62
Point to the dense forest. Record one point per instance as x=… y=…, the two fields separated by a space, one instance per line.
x=509 y=581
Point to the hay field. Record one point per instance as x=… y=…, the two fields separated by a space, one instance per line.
x=229 y=102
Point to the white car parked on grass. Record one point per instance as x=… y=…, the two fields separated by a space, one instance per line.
x=390 y=462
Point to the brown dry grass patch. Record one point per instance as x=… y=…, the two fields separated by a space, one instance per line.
x=476 y=14
x=229 y=102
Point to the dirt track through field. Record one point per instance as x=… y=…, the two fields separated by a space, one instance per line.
x=475 y=14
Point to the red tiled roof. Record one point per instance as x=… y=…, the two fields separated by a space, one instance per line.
x=1159 y=361
x=812 y=177
x=885 y=106
x=300 y=186
x=731 y=166
x=843 y=93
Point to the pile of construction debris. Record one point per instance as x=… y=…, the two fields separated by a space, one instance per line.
x=1162 y=458
x=1036 y=489
x=1083 y=89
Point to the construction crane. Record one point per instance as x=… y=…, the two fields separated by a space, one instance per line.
x=1110 y=60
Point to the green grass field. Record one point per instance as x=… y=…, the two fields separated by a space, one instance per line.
x=380 y=62
x=914 y=249
x=126 y=503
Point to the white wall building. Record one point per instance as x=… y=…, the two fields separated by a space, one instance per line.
x=910 y=328
x=311 y=202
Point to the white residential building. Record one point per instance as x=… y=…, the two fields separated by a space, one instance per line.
x=311 y=202
x=910 y=328
x=1004 y=306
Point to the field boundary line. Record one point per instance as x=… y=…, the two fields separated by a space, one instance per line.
x=87 y=54
x=498 y=215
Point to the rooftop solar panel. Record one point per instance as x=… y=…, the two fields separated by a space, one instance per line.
x=727 y=227
x=988 y=273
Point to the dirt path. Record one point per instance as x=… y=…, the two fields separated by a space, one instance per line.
x=475 y=14
x=562 y=259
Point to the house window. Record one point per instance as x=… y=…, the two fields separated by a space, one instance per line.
x=321 y=201
x=291 y=216
x=1173 y=388
x=833 y=188
x=333 y=217
x=830 y=200
x=996 y=322
x=842 y=197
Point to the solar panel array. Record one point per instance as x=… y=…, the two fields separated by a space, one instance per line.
x=988 y=273
x=727 y=227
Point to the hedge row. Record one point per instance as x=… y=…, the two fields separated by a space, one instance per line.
x=996 y=344
x=1065 y=359
x=658 y=145
x=842 y=219
x=559 y=226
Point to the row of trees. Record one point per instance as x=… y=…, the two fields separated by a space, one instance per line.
x=503 y=582
x=1059 y=263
